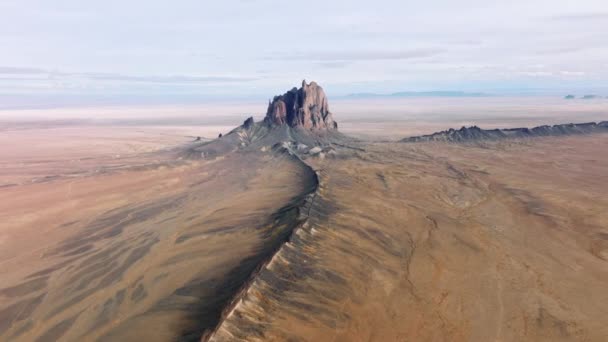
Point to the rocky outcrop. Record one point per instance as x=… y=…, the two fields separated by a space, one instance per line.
x=248 y=123
x=300 y=116
x=475 y=133
x=303 y=108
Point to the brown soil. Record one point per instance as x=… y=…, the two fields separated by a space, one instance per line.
x=438 y=242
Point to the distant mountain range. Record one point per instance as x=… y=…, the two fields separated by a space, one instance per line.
x=585 y=97
x=475 y=133
x=441 y=93
x=446 y=93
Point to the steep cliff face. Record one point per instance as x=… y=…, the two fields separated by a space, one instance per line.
x=300 y=119
x=304 y=108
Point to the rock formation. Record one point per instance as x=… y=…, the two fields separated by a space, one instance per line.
x=248 y=123
x=298 y=120
x=302 y=108
x=475 y=133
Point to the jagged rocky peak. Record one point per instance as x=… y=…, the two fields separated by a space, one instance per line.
x=303 y=108
x=248 y=123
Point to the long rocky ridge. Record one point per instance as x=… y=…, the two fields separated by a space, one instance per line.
x=474 y=133
x=303 y=205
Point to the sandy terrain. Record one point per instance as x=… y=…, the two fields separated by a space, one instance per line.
x=110 y=232
x=109 y=246
x=437 y=242
x=36 y=154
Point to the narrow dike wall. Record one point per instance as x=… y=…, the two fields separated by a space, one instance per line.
x=303 y=205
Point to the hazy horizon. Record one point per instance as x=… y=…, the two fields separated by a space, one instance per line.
x=49 y=102
x=390 y=117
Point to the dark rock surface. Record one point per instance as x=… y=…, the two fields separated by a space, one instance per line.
x=248 y=123
x=475 y=133
x=298 y=117
x=304 y=108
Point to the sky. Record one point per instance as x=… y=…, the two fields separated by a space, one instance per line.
x=227 y=49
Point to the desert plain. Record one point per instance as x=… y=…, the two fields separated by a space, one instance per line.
x=113 y=230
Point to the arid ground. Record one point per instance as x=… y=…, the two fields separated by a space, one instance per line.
x=111 y=232
x=105 y=236
x=437 y=242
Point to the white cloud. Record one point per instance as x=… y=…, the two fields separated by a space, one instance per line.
x=572 y=73
x=185 y=45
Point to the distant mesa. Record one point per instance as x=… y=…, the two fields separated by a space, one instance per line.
x=302 y=108
x=591 y=97
x=585 y=97
x=474 y=133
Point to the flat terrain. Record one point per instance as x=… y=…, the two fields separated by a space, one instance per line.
x=396 y=118
x=111 y=232
x=103 y=235
x=370 y=119
x=504 y=241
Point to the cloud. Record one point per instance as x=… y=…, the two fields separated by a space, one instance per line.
x=535 y=73
x=572 y=73
x=561 y=50
x=2 y=78
x=542 y=73
x=371 y=55
x=581 y=16
x=197 y=46
x=169 y=79
x=21 y=71
x=334 y=64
